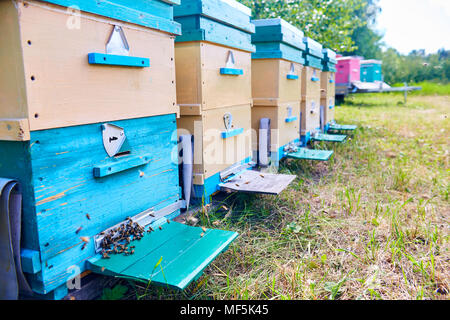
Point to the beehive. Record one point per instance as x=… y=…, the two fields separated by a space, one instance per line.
x=87 y=126
x=276 y=85
x=371 y=71
x=310 y=106
x=328 y=88
x=348 y=70
x=213 y=71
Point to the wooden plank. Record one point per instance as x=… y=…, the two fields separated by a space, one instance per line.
x=190 y=109
x=121 y=164
x=31 y=261
x=55 y=51
x=251 y=181
x=173 y=256
x=116 y=60
x=329 y=138
x=278 y=30
x=14 y=130
x=310 y=154
x=152 y=14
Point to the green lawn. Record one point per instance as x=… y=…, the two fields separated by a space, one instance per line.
x=373 y=223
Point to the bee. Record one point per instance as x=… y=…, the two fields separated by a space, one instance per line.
x=151 y=215
x=85 y=239
x=168 y=221
x=261 y=176
x=105 y=256
x=88 y=216
x=204 y=229
x=78 y=230
x=84 y=246
x=160 y=228
x=202 y=234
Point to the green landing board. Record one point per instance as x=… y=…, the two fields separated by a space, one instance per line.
x=183 y=252
x=342 y=127
x=329 y=137
x=310 y=154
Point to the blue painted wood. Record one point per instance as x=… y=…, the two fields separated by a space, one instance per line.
x=121 y=164
x=63 y=201
x=173 y=256
x=315 y=79
x=277 y=50
x=216 y=10
x=31 y=262
x=232 y=133
x=291 y=119
x=328 y=66
x=116 y=60
x=278 y=30
x=231 y=71
x=199 y=28
x=311 y=61
x=331 y=81
x=313 y=48
x=292 y=77
x=148 y=13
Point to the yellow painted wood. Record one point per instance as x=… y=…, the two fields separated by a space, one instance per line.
x=328 y=94
x=212 y=153
x=55 y=86
x=14 y=130
x=282 y=132
x=310 y=115
x=270 y=85
x=199 y=80
x=310 y=88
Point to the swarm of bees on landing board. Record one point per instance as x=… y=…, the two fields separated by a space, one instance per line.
x=117 y=240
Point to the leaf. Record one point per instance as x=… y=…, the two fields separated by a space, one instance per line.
x=115 y=293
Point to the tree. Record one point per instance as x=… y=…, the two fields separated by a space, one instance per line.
x=329 y=22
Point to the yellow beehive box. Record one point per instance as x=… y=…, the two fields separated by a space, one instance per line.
x=48 y=80
x=285 y=126
x=328 y=95
x=222 y=138
x=275 y=81
x=202 y=79
x=310 y=114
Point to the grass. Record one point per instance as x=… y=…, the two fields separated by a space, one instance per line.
x=373 y=223
x=429 y=88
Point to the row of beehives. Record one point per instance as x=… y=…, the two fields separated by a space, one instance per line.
x=91 y=97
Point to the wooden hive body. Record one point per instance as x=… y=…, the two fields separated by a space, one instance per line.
x=213 y=71
x=328 y=88
x=276 y=83
x=310 y=107
x=54 y=84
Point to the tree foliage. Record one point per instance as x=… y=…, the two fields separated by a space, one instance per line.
x=347 y=26
x=330 y=22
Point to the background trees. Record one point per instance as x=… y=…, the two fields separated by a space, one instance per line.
x=347 y=26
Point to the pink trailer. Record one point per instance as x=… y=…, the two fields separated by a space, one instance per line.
x=348 y=70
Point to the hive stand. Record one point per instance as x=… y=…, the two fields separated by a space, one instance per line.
x=88 y=129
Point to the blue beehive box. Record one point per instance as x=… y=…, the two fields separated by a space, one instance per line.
x=371 y=71
x=90 y=149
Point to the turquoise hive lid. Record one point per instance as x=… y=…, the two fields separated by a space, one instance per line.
x=313 y=48
x=155 y=14
x=329 y=55
x=278 y=30
x=277 y=39
x=226 y=22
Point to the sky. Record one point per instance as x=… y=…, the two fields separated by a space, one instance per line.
x=415 y=24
